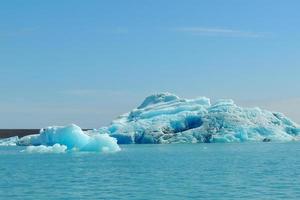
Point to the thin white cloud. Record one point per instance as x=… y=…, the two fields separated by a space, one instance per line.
x=206 y=31
x=82 y=92
x=112 y=30
x=97 y=92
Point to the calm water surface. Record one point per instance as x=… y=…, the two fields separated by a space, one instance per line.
x=200 y=171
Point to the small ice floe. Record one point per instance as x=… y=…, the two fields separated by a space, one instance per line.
x=11 y=141
x=71 y=137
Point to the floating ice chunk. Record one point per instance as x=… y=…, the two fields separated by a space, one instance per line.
x=101 y=143
x=72 y=137
x=57 y=148
x=11 y=141
x=166 y=118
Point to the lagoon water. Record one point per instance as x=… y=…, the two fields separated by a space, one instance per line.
x=178 y=171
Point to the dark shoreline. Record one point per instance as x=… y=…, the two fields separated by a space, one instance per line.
x=6 y=133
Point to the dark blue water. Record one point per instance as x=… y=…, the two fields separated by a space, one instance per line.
x=200 y=171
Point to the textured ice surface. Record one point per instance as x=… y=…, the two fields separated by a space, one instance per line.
x=11 y=141
x=166 y=118
x=57 y=148
x=72 y=137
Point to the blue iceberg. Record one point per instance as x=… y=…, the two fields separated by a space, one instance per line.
x=166 y=118
x=163 y=119
x=69 y=137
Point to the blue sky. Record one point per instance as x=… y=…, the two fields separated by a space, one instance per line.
x=86 y=62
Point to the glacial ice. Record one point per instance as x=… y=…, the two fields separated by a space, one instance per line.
x=72 y=137
x=57 y=148
x=166 y=118
x=11 y=141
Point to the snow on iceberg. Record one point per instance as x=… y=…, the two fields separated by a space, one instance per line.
x=71 y=137
x=166 y=118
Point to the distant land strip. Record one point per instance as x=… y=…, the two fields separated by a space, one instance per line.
x=5 y=133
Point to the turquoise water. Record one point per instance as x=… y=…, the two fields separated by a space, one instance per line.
x=199 y=171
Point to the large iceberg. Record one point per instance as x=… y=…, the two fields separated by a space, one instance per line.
x=166 y=118
x=69 y=137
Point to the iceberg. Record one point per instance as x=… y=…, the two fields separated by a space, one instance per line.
x=71 y=137
x=11 y=141
x=166 y=118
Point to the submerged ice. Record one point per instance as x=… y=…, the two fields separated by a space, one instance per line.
x=166 y=118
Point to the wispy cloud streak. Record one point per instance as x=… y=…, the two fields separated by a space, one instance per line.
x=206 y=31
x=95 y=92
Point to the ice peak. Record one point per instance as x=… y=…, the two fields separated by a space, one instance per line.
x=158 y=98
